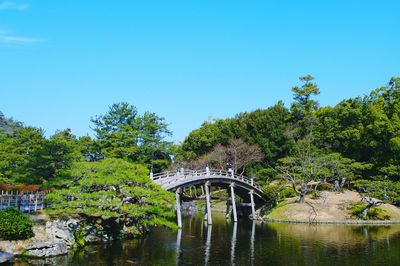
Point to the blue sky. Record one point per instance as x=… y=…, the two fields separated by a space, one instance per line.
x=62 y=62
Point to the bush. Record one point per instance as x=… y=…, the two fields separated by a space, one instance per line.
x=14 y=225
x=316 y=194
x=374 y=213
x=325 y=187
x=276 y=193
x=387 y=191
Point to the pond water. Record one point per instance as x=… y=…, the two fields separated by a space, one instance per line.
x=246 y=243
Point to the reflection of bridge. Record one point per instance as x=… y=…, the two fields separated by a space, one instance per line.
x=241 y=185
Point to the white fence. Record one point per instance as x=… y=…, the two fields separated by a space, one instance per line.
x=24 y=201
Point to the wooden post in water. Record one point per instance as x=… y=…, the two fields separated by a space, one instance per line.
x=253 y=209
x=233 y=201
x=178 y=206
x=208 y=202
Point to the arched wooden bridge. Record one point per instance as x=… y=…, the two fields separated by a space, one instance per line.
x=244 y=187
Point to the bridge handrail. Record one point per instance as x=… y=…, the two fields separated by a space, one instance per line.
x=161 y=178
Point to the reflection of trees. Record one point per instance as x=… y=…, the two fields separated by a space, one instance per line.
x=335 y=244
x=337 y=234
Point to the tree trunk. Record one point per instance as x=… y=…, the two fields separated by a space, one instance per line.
x=336 y=187
x=302 y=198
x=303 y=192
x=364 y=213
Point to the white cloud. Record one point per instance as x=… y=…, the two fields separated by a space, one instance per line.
x=5 y=37
x=12 y=5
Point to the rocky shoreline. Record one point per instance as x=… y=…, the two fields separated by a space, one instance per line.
x=52 y=238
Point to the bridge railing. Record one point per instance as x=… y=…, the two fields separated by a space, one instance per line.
x=175 y=176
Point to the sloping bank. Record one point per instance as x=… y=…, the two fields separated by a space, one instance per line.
x=333 y=208
x=96 y=202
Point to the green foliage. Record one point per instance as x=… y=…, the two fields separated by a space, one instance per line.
x=116 y=192
x=18 y=152
x=365 y=129
x=303 y=105
x=79 y=236
x=277 y=193
x=57 y=155
x=316 y=194
x=300 y=167
x=123 y=133
x=385 y=190
x=27 y=157
x=14 y=225
x=265 y=128
x=201 y=141
x=373 y=213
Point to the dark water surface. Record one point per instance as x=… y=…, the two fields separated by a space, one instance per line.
x=246 y=243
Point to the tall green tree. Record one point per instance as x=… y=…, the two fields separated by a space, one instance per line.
x=123 y=133
x=56 y=155
x=18 y=152
x=118 y=131
x=304 y=106
x=153 y=148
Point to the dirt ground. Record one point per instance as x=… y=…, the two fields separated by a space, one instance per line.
x=330 y=207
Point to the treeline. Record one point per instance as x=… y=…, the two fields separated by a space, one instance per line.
x=102 y=181
x=28 y=157
x=355 y=143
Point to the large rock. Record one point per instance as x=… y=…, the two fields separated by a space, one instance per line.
x=61 y=230
x=92 y=234
x=46 y=249
x=5 y=256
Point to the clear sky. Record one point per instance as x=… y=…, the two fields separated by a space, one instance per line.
x=62 y=62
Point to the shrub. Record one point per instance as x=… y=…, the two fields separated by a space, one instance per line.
x=316 y=194
x=325 y=187
x=374 y=213
x=14 y=225
x=276 y=193
x=387 y=191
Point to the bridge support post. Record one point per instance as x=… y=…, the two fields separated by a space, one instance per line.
x=178 y=206
x=233 y=201
x=208 y=202
x=253 y=209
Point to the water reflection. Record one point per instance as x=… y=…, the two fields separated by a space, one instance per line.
x=178 y=244
x=252 y=238
x=245 y=243
x=233 y=243
x=208 y=245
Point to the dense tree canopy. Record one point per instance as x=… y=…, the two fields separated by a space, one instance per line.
x=123 y=133
x=264 y=128
x=356 y=140
x=117 y=192
x=356 y=143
